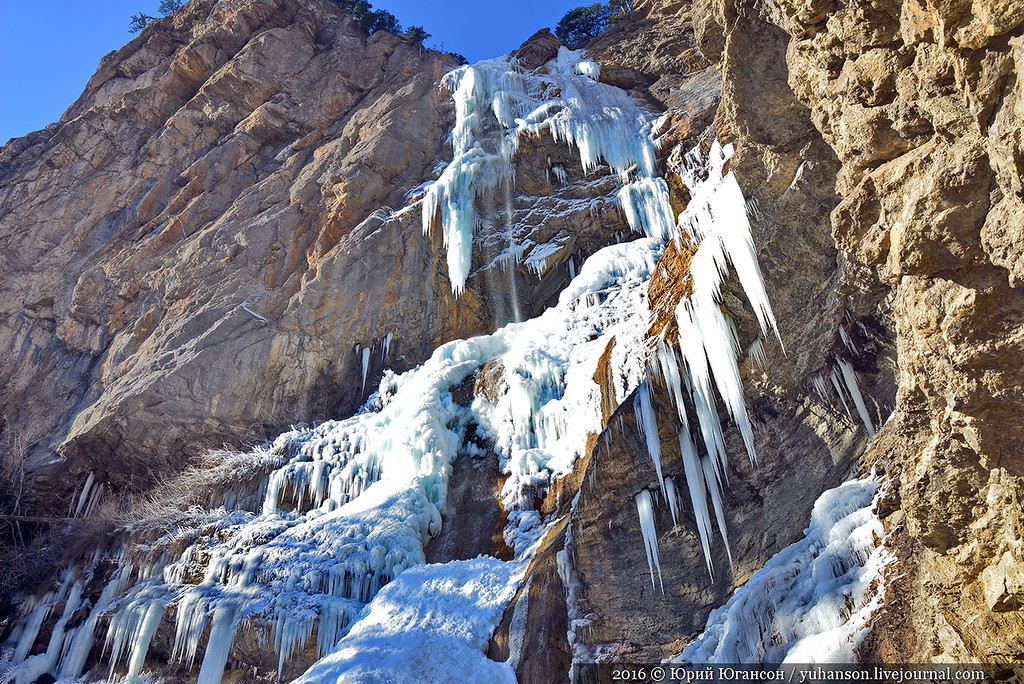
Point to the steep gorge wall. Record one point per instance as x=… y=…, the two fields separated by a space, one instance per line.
x=879 y=146
x=922 y=103
x=191 y=252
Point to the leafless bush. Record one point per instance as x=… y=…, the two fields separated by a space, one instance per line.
x=170 y=514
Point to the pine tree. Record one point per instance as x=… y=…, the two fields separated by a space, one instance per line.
x=417 y=34
x=583 y=24
x=140 y=21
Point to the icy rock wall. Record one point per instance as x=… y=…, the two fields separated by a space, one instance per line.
x=351 y=503
x=497 y=103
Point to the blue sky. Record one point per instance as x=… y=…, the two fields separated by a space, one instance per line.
x=48 y=50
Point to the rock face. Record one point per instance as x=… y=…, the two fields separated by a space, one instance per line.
x=185 y=265
x=879 y=147
x=922 y=103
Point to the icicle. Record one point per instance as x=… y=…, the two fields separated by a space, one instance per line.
x=670 y=375
x=837 y=384
x=847 y=340
x=756 y=355
x=649 y=426
x=83 y=496
x=33 y=622
x=716 y=218
x=646 y=205
x=714 y=487
x=818 y=383
x=673 y=501
x=223 y=623
x=858 y=400
x=387 y=345
x=366 y=367
x=77 y=653
x=698 y=495
x=645 y=509
x=145 y=633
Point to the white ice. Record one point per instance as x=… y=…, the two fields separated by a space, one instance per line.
x=432 y=624
x=812 y=601
x=645 y=510
x=497 y=103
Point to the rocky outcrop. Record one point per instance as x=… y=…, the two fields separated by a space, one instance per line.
x=921 y=102
x=195 y=249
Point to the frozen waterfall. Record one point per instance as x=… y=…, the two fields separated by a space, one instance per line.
x=327 y=551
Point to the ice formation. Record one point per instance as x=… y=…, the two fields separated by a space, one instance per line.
x=812 y=601
x=352 y=502
x=850 y=378
x=645 y=509
x=434 y=622
x=843 y=378
x=327 y=550
x=496 y=103
x=649 y=427
x=705 y=358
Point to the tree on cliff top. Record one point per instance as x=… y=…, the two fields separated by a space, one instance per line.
x=369 y=19
x=416 y=34
x=583 y=24
x=139 y=21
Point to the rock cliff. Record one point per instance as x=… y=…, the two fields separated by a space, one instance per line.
x=879 y=147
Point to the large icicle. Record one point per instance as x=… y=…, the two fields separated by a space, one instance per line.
x=649 y=426
x=715 y=221
x=850 y=378
x=645 y=510
x=698 y=495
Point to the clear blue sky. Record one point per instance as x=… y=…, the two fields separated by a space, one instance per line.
x=48 y=50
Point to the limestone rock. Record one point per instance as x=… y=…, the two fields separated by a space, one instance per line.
x=538 y=49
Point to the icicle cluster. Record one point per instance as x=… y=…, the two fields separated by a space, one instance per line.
x=812 y=601
x=705 y=359
x=496 y=103
x=843 y=379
